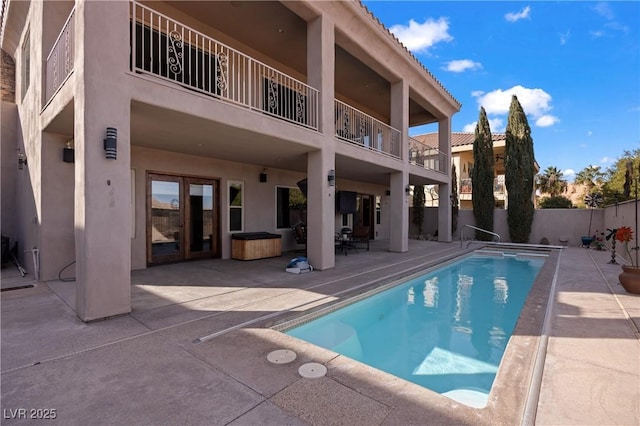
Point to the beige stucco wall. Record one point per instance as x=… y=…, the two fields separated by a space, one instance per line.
x=8 y=168
x=553 y=224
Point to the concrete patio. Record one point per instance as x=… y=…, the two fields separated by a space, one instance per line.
x=193 y=350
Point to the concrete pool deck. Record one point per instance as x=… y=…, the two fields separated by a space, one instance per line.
x=193 y=350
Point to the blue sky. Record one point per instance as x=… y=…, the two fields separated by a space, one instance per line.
x=574 y=66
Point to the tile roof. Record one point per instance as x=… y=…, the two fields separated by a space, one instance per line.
x=457 y=138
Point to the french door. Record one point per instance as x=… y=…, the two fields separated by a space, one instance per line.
x=182 y=218
x=364 y=214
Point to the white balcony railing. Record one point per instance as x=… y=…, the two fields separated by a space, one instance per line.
x=60 y=61
x=170 y=50
x=426 y=156
x=358 y=128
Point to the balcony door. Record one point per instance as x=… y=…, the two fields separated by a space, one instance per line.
x=182 y=218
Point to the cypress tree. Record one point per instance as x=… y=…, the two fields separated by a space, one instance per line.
x=519 y=173
x=418 y=207
x=482 y=176
x=455 y=206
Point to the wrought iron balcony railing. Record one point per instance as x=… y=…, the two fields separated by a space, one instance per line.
x=358 y=128
x=170 y=50
x=59 y=63
x=465 y=186
x=426 y=156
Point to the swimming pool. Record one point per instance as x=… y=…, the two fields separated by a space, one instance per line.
x=445 y=330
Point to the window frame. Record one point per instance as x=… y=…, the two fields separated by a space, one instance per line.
x=230 y=207
x=277 y=205
x=25 y=60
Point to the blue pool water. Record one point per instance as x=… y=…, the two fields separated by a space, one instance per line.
x=446 y=330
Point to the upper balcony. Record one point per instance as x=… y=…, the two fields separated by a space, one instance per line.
x=167 y=49
x=499 y=190
x=422 y=155
x=254 y=55
x=60 y=61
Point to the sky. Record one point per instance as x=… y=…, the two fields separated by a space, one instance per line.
x=574 y=66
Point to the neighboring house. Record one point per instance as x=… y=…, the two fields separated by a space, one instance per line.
x=191 y=121
x=462 y=157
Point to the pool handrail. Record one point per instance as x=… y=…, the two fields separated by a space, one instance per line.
x=477 y=229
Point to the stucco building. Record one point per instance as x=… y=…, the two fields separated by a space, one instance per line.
x=462 y=158
x=147 y=132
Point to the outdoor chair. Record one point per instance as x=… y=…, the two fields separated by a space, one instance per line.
x=360 y=236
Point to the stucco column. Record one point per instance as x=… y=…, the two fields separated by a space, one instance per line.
x=102 y=186
x=320 y=195
x=57 y=214
x=444 y=190
x=398 y=182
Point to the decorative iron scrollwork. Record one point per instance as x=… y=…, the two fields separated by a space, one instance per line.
x=222 y=67
x=273 y=94
x=174 y=59
x=300 y=108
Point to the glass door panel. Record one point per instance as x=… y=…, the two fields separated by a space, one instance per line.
x=202 y=219
x=165 y=219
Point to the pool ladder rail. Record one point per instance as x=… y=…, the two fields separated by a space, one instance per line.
x=477 y=229
x=498 y=241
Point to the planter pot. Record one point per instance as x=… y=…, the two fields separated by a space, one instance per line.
x=586 y=241
x=630 y=279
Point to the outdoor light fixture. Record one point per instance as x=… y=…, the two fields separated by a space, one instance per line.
x=263 y=176
x=22 y=160
x=407 y=190
x=68 y=155
x=331 y=177
x=111 y=143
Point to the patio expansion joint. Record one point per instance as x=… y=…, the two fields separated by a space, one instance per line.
x=207 y=364
x=625 y=313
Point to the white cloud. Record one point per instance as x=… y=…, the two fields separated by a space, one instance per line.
x=470 y=128
x=497 y=125
x=516 y=16
x=596 y=34
x=420 y=37
x=546 y=121
x=461 y=65
x=604 y=10
x=589 y=133
x=583 y=145
x=564 y=37
x=606 y=160
x=568 y=172
x=534 y=101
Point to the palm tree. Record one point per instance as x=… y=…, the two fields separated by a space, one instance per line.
x=551 y=182
x=591 y=177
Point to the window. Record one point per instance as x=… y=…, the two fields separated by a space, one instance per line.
x=291 y=207
x=26 y=63
x=378 y=210
x=236 y=202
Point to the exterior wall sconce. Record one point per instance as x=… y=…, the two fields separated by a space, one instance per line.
x=22 y=160
x=331 y=177
x=68 y=153
x=407 y=190
x=111 y=143
x=263 y=176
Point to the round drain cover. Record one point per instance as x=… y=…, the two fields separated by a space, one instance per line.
x=312 y=370
x=281 y=356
